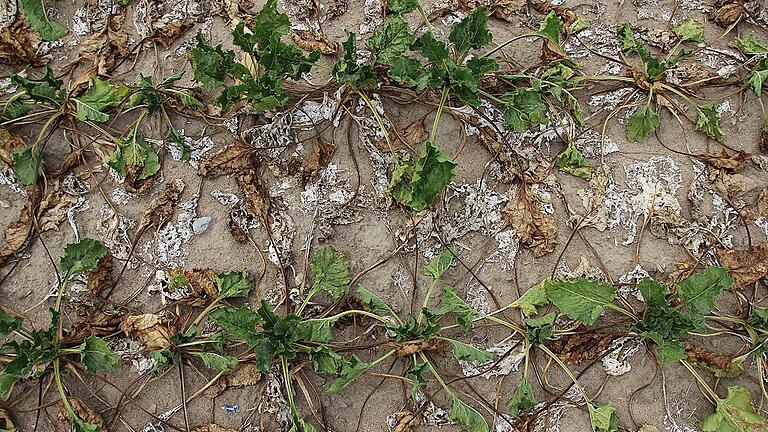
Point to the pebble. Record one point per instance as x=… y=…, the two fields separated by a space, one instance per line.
x=201 y=224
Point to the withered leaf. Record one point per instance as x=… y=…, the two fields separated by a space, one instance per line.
x=763 y=145
x=745 y=266
x=247 y=374
x=721 y=363
x=237 y=231
x=19 y=42
x=101 y=277
x=409 y=137
x=98 y=324
x=169 y=33
x=6 y=422
x=406 y=421
x=161 y=208
x=412 y=347
x=727 y=15
x=104 y=48
x=54 y=207
x=255 y=195
x=723 y=160
x=213 y=428
x=9 y=143
x=537 y=230
x=757 y=209
x=579 y=347
x=202 y=282
x=135 y=184
x=319 y=156
x=311 y=41
x=232 y=159
x=17 y=233
x=151 y=330
x=84 y=412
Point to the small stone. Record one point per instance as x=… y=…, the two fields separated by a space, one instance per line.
x=201 y=224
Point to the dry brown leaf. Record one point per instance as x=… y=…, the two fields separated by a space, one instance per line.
x=84 y=412
x=576 y=348
x=757 y=209
x=161 y=208
x=246 y=375
x=203 y=282
x=104 y=48
x=412 y=347
x=237 y=231
x=169 y=33
x=551 y=51
x=9 y=143
x=101 y=277
x=98 y=323
x=537 y=230
x=54 y=207
x=406 y=421
x=230 y=160
x=711 y=359
x=745 y=266
x=151 y=330
x=134 y=184
x=311 y=41
x=213 y=428
x=6 y=422
x=763 y=145
x=727 y=15
x=409 y=137
x=19 y=42
x=255 y=195
x=17 y=233
x=723 y=160
x=319 y=156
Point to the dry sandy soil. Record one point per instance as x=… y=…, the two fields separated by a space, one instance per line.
x=661 y=207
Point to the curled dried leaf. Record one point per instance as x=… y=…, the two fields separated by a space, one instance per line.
x=724 y=160
x=17 y=234
x=9 y=143
x=247 y=374
x=6 y=422
x=84 y=412
x=54 y=207
x=579 y=347
x=169 y=33
x=151 y=330
x=719 y=362
x=232 y=159
x=319 y=156
x=727 y=15
x=202 y=282
x=409 y=137
x=161 y=208
x=101 y=277
x=255 y=195
x=406 y=421
x=745 y=266
x=19 y=42
x=412 y=347
x=537 y=230
x=213 y=428
x=104 y=48
x=311 y=41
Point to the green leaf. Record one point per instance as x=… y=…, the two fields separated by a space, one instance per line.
x=350 y=371
x=47 y=89
x=523 y=108
x=463 y=83
x=757 y=76
x=735 y=413
x=573 y=162
x=452 y=303
x=95 y=355
x=374 y=302
x=270 y=25
x=210 y=66
x=551 y=27
x=99 y=96
x=240 y=323
x=164 y=358
x=467 y=416
x=757 y=319
x=301 y=425
x=81 y=256
x=218 y=362
x=540 y=329
x=417 y=185
x=325 y=361
x=9 y=323
x=751 y=46
x=391 y=39
x=441 y=263
x=316 y=330
x=419 y=382
x=642 y=123
x=481 y=65
x=347 y=70
x=83 y=426
x=522 y=400
x=330 y=272
x=14 y=109
x=709 y=121
x=49 y=30
x=413 y=329
x=409 y=71
x=602 y=417
x=235 y=283
x=691 y=30
x=627 y=39
x=582 y=299
x=467 y=352
x=432 y=49
x=698 y=292
x=471 y=32
x=27 y=167
x=403 y=6
x=535 y=296
x=134 y=151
